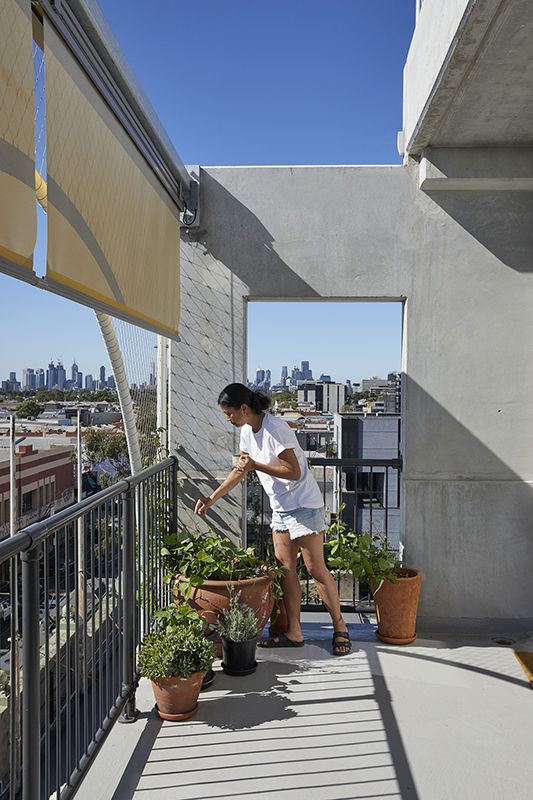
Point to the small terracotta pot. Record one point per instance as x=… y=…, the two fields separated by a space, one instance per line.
x=396 y=607
x=279 y=622
x=177 y=698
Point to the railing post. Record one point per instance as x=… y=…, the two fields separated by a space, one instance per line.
x=174 y=496
x=31 y=680
x=129 y=713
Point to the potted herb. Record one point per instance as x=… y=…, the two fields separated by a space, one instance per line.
x=395 y=588
x=205 y=568
x=238 y=626
x=176 y=658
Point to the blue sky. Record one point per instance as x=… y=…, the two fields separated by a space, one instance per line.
x=251 y=82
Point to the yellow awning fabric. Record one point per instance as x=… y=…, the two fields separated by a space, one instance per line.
x=18 y=219
x=113 y=232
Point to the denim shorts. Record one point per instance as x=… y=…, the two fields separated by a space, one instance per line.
x=299 y=521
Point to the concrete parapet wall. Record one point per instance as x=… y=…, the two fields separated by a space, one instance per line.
x=462 y=265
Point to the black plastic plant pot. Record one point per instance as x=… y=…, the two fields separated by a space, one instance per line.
x=209 y=677
x=238 y=658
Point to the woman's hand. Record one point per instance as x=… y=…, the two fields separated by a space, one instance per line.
x=202 y=505
x=245 y=464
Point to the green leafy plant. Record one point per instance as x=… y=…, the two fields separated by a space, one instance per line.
x=365 y=555
x=238 y=621
x=178 y=647
x=181 y=616
x=198 y=557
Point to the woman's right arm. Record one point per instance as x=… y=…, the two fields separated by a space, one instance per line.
x=233 y=479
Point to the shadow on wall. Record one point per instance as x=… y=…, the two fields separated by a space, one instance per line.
x=500 y=221
x=467 y=515
x=239 y=240
x=195 y=482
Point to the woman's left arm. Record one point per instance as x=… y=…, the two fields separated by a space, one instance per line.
x=289 y=469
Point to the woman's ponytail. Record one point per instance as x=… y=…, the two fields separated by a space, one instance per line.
x=260 y=402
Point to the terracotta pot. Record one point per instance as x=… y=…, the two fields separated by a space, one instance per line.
x=212 y=597
x=279 y=622
x=396 y=607
x=177 y=698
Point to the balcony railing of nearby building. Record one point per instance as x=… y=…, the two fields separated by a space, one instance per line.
x=65 y=498
x=89 y=579
x=364 y=493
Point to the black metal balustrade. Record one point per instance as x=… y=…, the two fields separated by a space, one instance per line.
x=88 y=580
x=362 y=493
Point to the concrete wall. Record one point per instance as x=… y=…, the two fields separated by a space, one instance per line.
x=462 y=261
x=436 y=26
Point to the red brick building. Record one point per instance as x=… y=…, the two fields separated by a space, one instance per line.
x=45 y=483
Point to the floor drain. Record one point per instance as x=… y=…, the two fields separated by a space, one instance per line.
x=505 y=642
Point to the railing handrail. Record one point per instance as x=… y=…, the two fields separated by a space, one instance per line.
x=395 y=463
x=39 y=531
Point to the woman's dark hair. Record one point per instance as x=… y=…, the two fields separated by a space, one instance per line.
x=236 y=394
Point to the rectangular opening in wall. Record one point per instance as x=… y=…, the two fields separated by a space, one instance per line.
x=332 y=370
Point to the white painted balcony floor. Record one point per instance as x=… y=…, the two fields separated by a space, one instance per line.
x=440 y=719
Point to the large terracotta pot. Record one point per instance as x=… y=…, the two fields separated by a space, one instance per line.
x=396 y=607
x=177 y=698
x=212 y=597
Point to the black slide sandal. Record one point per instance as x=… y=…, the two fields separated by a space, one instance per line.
x=283 y=641
x=339 y=640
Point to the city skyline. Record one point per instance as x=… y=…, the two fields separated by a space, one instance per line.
x=19 y=374
x=345 y=340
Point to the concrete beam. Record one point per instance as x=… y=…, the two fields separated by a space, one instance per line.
x=479 y=169
x=447 y=41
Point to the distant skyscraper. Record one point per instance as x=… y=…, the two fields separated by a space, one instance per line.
x=89 y=383
x=268 y=376
x=13 y=377
x=28 y=378
x=111 y=382
x=74 y=373
x=284 y=374
x=61 y=375
x=39 y=379
x=259 y=375
x=51 y=376
x=307 y=374
x=325 y=378
x=79 y=380
x=102 y=377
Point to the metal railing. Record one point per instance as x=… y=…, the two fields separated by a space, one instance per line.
x=363 y=493
x=90 y=577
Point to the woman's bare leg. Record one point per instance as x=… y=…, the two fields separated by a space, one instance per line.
x=312 y=547
x=286 y=552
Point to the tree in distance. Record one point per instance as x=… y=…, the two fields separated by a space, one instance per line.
x=29 y=409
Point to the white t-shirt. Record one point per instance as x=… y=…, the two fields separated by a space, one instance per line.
x=271 y=439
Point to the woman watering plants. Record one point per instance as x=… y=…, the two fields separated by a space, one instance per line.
x=270 y=447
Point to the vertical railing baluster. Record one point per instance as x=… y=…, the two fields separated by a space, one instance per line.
x=386 y=499
x=101 y=711
x=85 y=528
x=46 y=627
x=68 y=661
x=31 y=683
x=57 y=686
x=129 y=713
